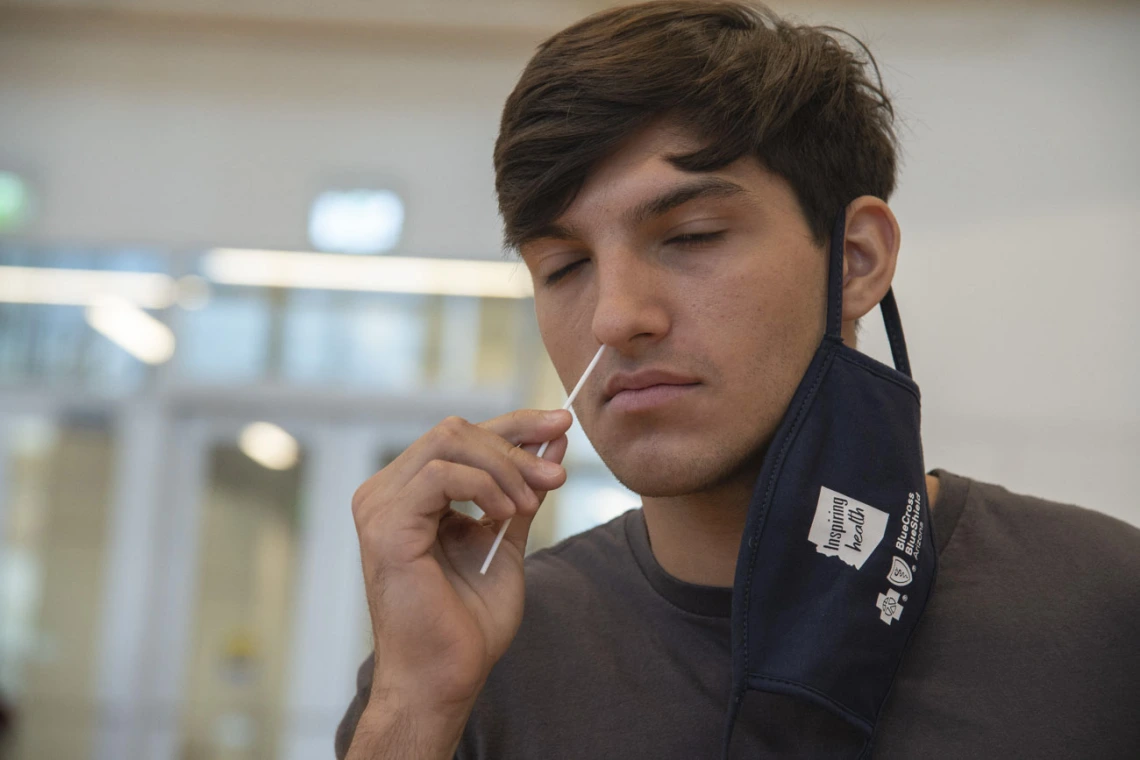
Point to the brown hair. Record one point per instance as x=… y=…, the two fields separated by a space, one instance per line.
x=744 y=80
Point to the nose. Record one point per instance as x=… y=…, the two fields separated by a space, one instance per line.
x=630 y=313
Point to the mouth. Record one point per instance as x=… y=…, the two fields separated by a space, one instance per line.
x=650 y=397
x=646 y=389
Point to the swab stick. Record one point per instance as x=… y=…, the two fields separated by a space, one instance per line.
x=542 y=450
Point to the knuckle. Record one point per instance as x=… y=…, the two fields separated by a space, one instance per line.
x=486 y=483
x=520 y=463
x=375 y=545
x=371 y=535
x=506 y=462
x=519 y=458
x=449 y=431
x=435 y=470
x=362 y=500
x=453 y=424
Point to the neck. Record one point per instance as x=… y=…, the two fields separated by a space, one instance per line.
x=696 y=537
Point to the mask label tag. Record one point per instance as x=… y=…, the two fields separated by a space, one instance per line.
x=846 y=528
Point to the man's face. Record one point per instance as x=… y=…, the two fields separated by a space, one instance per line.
x=707 y=288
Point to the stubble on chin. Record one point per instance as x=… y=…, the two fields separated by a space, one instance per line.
x=669 y=472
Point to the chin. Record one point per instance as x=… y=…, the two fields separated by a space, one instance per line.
x=646 y=486
x=658 y=472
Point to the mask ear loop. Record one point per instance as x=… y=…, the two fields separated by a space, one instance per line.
x=895 y=332
x=887 y=306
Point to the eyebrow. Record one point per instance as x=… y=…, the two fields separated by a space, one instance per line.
x=707 y=187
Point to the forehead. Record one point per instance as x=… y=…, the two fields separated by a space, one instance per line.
x=646 y=151
x=640 y=169
x=640 y=165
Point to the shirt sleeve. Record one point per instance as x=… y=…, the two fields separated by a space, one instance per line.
x=347 y=728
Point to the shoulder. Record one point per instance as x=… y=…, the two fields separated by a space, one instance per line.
x=580 y=569
x=574 y=601
x=600 y=544
x=576 y=591
x=1038 y=524
x=1063 y=551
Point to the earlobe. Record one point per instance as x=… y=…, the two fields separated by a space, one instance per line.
x=870 y=252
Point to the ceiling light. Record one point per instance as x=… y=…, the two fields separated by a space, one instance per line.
x=81 y=287
x=137 y=332
x=356 y=221
x=269 y=445
x=14 y=202
x=328 y=271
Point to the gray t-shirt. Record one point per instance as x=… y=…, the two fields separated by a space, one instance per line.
x=1029 y=647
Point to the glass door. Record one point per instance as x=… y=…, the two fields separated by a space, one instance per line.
x=259 y=606
x=243 y=603
x=56 y=473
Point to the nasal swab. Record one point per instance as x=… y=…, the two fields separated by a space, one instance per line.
x=542 y=450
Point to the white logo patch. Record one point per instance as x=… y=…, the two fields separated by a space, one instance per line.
x=900 y=574
x=846 y=528
x=889 y=606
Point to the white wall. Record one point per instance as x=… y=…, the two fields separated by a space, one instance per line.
x=1020 y=206
x=148 y=133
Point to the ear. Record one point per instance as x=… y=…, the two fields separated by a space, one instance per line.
x=870 y=251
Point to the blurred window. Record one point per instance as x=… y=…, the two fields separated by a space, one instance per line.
x=591 y=497
x=372 y=341
x=242 y=335
x=49 y=345
x=247 y=573
x=356 y=221
x=228 y=340
x=55 y=494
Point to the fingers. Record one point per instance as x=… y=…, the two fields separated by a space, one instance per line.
x=459 y=461
x=519 y=530
x=555 y=449
x=518 y=472
x=405 y=534
x=529 y=425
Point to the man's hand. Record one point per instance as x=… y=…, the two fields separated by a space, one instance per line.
x=438 y=624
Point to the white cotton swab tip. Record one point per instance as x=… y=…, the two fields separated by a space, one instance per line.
x=542 y=450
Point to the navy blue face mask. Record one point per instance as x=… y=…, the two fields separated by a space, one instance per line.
x=837 y=559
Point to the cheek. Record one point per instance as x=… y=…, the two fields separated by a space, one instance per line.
x=562 y=330
x=766 y=316
x=758 y=296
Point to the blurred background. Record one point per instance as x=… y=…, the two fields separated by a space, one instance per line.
x=249 y=250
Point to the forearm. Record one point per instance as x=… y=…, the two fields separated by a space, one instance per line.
x=389 y=732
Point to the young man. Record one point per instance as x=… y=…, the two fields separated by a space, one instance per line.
x=702 y=188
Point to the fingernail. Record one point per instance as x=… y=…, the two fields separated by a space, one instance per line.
x=552 y=468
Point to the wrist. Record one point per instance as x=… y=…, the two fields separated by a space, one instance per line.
x=448 y=698
x=391 y=727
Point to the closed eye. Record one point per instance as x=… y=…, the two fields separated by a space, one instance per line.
x=695 y=239
x=691 y=240
x=558 y=274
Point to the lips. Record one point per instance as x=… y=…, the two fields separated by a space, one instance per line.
x=643 y=379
